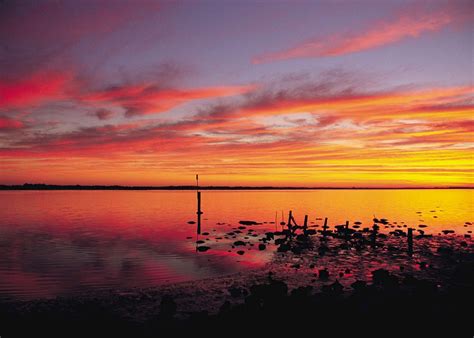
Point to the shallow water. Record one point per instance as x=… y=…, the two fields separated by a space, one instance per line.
x=56 y=243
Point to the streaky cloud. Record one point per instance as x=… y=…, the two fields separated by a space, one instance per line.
x=410 y=22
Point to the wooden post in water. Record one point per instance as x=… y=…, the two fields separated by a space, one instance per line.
x=199 y=212
x=305 y=224
x=282 y=220
x=374 y=234
x=410 y=241
x=346 y=230
x=290 y=216
x=325 y=227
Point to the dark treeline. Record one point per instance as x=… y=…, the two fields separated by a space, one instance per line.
x=40 y=186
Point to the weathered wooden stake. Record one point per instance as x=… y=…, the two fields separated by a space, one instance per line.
x=282 y=220
x=199 y=212
x=346 y=230
x=276 y=220
x=305 y=224
x=293 y=220
x=410 y=241
x=325 y=226
x=374 y=235
x=290 y=216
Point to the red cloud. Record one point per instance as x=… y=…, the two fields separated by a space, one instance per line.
x=7 y=124
x=34 y=89
x=410 y=23
x=148 y=98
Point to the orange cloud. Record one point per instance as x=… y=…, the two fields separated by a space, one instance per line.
x=410 y=23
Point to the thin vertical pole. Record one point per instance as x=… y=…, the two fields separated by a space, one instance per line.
x=374 y=235
x=282 y=220
x=305 y=224
x=199 y=212
x=325 y=226
x=410 y=241
x=290 y=216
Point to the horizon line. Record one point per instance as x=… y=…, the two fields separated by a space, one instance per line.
x=43 y=186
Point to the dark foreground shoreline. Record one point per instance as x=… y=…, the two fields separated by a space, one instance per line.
x=315 y=285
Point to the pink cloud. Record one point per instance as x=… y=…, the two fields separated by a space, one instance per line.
x=409 y=23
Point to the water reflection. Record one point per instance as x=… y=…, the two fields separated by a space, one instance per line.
x=61 y=242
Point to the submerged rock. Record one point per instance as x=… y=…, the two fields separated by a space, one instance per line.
x=445 y=250
x=249 y=223
x=322 y=250
x=335 y=288
x=279 y=241
x=323 y=274
x=269 y=236
x=283 y=247
x=379 y=276
x=359 y=285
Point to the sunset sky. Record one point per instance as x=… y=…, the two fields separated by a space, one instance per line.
x=289 y=93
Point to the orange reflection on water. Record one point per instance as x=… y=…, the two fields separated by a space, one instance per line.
x=61 y=242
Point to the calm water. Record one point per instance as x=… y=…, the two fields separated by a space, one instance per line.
x=61 y=242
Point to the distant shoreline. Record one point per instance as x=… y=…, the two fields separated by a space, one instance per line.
x=28 y=186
